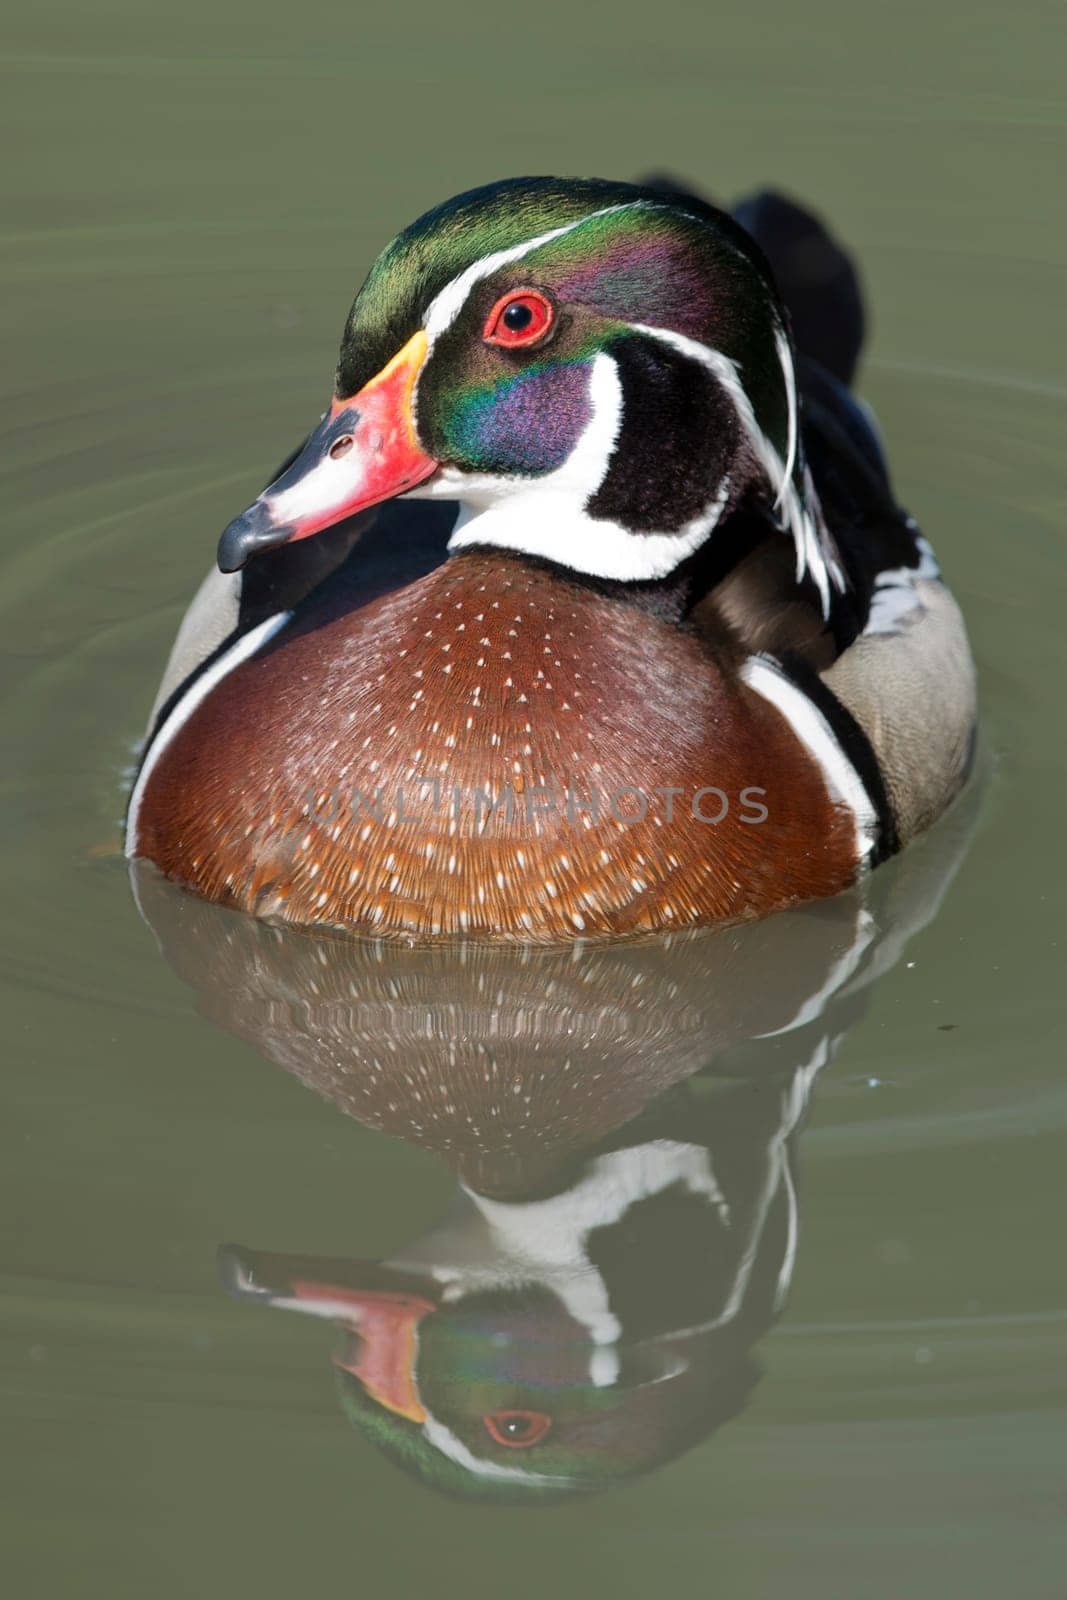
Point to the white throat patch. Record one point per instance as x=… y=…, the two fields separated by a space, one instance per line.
x=547 y=516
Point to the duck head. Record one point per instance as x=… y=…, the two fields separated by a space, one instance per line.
x=525 y=1350
x=597 y=372
x=498 y=1394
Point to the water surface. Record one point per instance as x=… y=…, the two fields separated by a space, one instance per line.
x=842 y=1362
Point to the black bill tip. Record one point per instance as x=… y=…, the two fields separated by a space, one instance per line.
x=239 y=1273
x=248 y=535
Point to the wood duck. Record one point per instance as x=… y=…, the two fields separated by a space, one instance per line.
x=638 y=640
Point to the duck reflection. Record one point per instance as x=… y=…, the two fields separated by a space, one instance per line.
x=559 y=1343
x=622 y=1121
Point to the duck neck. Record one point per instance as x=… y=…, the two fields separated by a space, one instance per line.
x=671 y=595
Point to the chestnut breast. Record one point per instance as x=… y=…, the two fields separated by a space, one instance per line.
x=497 y=751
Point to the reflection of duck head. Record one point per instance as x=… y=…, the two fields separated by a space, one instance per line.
x=532 y=1349
x=622 y=1122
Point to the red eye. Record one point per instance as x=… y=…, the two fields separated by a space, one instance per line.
x=517 y=1429
x=520 y=317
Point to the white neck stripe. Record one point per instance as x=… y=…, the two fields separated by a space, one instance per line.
x=811 y=557
x=570 y=538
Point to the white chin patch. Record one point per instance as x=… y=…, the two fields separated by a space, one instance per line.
x=547 y=516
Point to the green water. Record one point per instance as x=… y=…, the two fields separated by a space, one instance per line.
x=191 y=200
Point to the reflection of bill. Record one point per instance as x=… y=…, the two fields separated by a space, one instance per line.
x=623 y=1121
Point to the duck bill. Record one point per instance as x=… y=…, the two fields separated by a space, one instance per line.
x=381 y=1347
x=377 y=1308
x=364 y=450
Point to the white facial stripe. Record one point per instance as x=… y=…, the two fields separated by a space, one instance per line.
x=785 y=361
x=546 y=516
x=811 y=557
x=843 y=782
x=446 y=306
x=450 y=1445
x=245 y=647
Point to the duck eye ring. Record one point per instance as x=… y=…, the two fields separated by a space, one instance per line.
x=517 y=1429
x=520 y=317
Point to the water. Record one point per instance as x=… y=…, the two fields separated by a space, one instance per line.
x=843 y=1362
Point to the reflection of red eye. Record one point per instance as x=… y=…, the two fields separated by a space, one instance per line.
x=517 y=1429
x=520 y=317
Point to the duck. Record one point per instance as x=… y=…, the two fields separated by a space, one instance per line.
x=587 y=610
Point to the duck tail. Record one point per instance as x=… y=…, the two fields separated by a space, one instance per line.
x=816 y=276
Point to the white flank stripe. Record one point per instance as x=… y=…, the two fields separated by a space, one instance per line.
x=246 y=646
x=815 y=734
